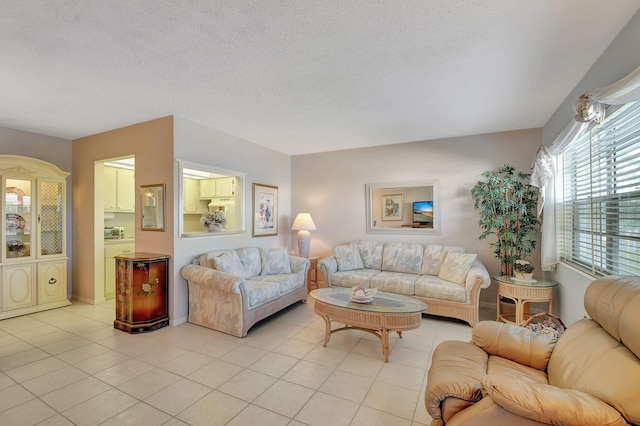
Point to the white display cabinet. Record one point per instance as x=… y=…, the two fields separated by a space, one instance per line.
x=33 y=264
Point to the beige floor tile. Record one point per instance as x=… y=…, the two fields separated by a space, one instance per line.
x=82 y=353
x=329 y=357
x=56 y=420
x=54 y=380
x=323 y=409
x=392 y=399
x=137 y=415
x=102 y=362
x=14 y=348
x=410 y=357
x=99 y=408
x=362 y=365
x=146 y=384
x=367 y=416
x=308 y=374
x=65 y=345
x=215 y=373
x=187 y=363
x=294 y=348
x=311 y=335
x=401 y=375
x=7 y=339
x=244 y=355
x=5 y=381
x=253 y=415
x=285 y=398
x=273 y=364
x=421 y=415
x=30 y=413
x=247 y=385
x=214 y=409
x=348 y=386
x=75 y=393
x=13 y=396
x=217 y=347
x=178 y=396
x=123 y=372
x=160 y=353
x=282 y=328
x=35 y=369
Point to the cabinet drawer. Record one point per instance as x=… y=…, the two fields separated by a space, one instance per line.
x=52 y=281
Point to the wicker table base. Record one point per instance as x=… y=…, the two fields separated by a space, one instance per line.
x=379 y=324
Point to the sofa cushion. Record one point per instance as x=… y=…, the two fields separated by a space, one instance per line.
x=402 y=257
x=229 y=262
x=395 y=282
x=434 y=255
x=437 y=288
x=260 y=292
x=287 y=282
x=348 y=257
x=359 y=277
x=549 y=404
x=275 y=261
x=456 y=266
x=251 y=261
x=371 y=253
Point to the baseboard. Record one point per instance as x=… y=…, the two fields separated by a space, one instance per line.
x=177 y=321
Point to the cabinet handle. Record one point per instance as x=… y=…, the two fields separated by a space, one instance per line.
x=52 y=281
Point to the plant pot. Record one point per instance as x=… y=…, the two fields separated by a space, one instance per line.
x=523 y=276
x=214 y=227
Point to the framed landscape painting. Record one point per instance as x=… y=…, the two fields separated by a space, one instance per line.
x=265 y=210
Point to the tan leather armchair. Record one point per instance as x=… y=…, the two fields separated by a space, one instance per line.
x=508 y=375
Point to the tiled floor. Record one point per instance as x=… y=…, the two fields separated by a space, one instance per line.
x=69 y=366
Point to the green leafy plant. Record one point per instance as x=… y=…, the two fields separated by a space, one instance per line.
x=508 y=210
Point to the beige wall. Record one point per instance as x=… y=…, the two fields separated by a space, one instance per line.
x=151 y=143
x=331 y=186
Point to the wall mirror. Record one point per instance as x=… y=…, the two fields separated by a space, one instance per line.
x=403 y=208
x=152 y=202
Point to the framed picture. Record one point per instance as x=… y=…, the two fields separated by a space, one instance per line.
x=152 y=202
x=265 y=210
x=392 y=207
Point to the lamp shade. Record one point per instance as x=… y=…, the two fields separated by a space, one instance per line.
x=303 y=222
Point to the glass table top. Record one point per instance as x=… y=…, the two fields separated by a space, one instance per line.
x=534 y=282
x=382 y=302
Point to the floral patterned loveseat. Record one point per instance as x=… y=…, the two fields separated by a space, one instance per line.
x=230 y=290
x=447 y=279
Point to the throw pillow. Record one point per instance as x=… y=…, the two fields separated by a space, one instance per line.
x=229 y=262
x=348 y=257
x=456 y=266
x=275 y=261
x=434 y=255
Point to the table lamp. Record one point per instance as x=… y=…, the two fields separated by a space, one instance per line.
x=303 y=224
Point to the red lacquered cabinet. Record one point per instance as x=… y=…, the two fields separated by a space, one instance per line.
x=142 y=296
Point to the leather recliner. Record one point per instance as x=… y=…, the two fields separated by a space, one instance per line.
x=509 y=375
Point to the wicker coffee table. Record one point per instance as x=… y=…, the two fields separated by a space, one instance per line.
x=385 y=314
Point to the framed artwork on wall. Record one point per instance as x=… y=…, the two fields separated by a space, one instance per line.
x=392 y=207
x=265 y=210
x=152 y=202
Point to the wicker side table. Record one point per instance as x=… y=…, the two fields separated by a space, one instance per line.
x=523 y=293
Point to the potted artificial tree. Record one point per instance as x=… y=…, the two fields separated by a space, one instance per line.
x=508 y=210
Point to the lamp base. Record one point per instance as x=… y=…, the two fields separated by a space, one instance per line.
x=304 y=241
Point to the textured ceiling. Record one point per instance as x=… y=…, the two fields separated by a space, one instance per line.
x=299 y=76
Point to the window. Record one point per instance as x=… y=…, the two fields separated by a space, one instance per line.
x=599 y=197
x=205 y=188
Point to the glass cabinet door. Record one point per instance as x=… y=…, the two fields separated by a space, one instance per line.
x=51 y=218
x=19 y=218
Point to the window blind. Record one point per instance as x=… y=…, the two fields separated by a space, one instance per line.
x=599 y=212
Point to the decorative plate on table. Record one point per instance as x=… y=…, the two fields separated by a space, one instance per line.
x=16 y=248
x=361 y=299
x=360 y=294
x=15 y=222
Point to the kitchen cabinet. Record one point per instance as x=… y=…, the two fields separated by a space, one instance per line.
x=190 y=193
x=119 y=189
x=33 y=261
x=112 y=249
x=219 y=187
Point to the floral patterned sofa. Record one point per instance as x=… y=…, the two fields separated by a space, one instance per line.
x=447 y=279
x=230 y=290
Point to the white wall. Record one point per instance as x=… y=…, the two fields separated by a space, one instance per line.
x=47 y=148
x=620 y=58
x=199 y=144
x=331 y=186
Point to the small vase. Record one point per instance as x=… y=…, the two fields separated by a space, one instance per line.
x=214 y=227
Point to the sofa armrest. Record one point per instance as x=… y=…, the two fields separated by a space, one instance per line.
x=299 y=264
x=549 y=404
x=456 y=371
x=513 y=342
x=477 y=276
x=222 y=281
x=328 y=266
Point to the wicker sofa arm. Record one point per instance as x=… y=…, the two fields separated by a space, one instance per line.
x=328 y=266
x=477 y=276
x=222 y=281
x=299 y=264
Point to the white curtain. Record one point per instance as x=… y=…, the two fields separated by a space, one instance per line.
x=589 y=107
